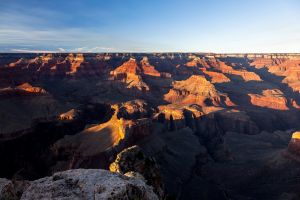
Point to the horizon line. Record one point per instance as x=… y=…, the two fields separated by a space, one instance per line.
x=150 y=52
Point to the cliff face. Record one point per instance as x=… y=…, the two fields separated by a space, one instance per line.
x=191 y=124
x=24 y=89
x=273 y=99
x=195 y=89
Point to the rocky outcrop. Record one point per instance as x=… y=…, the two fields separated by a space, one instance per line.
x=265 y=62
x=216 y=77
x=7 y=190
x=12 y=190
x=37 y=67
x=175 y=117
x=70 y=115
x=289 y=70
x=30 y=89
x=133 y=159
x=148 y=69
x=196 y=89
x=130 y=66
x=130 y=74
x=75 y=62
x=24 y=89
x=92 y=141
x=135 y=109
x=197 y=62
x=97 y=143
x=90 y=184
x=273 y=99
x=242 y=73
x=294 y=145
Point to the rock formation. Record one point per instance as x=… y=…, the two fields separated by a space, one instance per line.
x=130 y=73
x=70 y=115
x=135 y=109
x=216 y=77
x=290 y=70
x=148 y=69
x=242 y=73
x=23 y=89
x=133 y=159
x=203 y=125
x=7 y=190
x=195 y=89
x=92 y=141
x=90 y=184
x=176 y=117
x=294 y=145
x=273 y=99
x=75 y=62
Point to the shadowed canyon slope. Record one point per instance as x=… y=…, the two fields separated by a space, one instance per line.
x=202 y=126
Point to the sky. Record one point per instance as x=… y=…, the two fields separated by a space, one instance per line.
x=219 y=26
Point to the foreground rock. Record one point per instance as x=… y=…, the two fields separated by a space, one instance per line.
x=133 y=159
x=7 y=190
x=90 y=184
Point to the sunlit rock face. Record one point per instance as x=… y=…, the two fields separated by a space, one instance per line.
x=242 y=73
x=130 y=74
x=273 y=99
x=213 y=122
x=216 y=77
x=148 y=69
x=135 y=109
x=176 y=117
x=75 y=62
x=130 y=67
x=195 y=89
x=70 y=115
x=24 y=89
x=133 y=159
x=92 y=141
x=133 y=72
x=294 y=145
x=289 y=70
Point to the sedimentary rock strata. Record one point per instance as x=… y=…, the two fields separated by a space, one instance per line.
x=213 y=123
x=273 y=99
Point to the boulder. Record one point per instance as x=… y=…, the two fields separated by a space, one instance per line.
x=90 y=184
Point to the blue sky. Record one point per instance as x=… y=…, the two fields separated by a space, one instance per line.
x=150 y=26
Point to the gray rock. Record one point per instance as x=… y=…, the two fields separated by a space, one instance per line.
x=7 y=190
x=90 y=184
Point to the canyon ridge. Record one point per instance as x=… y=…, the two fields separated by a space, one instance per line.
x=150 y=126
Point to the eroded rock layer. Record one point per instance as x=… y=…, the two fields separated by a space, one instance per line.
x=195 y=126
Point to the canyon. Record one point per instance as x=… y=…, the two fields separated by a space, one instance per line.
x=150 y=126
